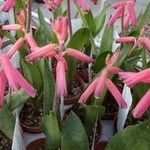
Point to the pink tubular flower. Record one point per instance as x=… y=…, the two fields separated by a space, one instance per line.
x=126 y=21
x=124 y=9
x=60 y=27
x=145 y=42
x=52 y=4
x=84 y=97
x=21 y=17
x=45 y=51
x=61 y=78
x=129 y=39
x=12 y=27
x=83 y=4
x=30 y=40
x=116 y=93
x=130 y=7
x=15 y=79
x=78 y=55
x=97 y=87
x=3 y=81
x=111 y=61
x=8 y=4
x=142 y=106
x=101 y=84
x=15 y=47
x=114 y=70
x=131 y=79
x=118 y=13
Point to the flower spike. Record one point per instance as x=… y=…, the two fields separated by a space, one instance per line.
x=78 y=55
x=142 y=106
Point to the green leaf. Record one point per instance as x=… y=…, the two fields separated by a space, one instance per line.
x=40 y=37
x=90 y=21
x=92 y=113
x=145 y=18
x=18 y=6
x=107 y=39
x=32 y=74
x=78 y=40
x=100 y=61
x=7 y=121
x=49 y=86
x=73 y=134
x=133 y=137
x=47 y=31
x=8 y=35
x=139 y=91
x=100 y=20
x=51 y=130
x=18 y=98
x=123 y=54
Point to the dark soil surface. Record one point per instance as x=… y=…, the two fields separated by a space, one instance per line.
x=31 y=116
x=75 y=93
x=5 y=142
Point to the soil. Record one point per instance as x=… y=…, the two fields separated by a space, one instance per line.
x=76 y=91
x=110 y=104
x=31 y=116
x=5 y=142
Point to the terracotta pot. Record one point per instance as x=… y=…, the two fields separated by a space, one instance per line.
x=100 y=145
x=39 y=143
x=30 y=129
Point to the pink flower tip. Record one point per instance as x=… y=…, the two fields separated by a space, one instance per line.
x=60 y=27
x=129 y=39
x=78 y=55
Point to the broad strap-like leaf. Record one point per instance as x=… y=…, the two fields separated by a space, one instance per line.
x=49 y=86
x=90 y=21
x=135 y=137
x=18 y=98
x=73 y=134
x=107 y=39
x=51 y=130
x=40 y=37
x=77 y=41
x=100 y=20
x=93 y=112
x=32 y=74
x=47 y=30
x=7 y=121
x=145 y=18
x=100 y=61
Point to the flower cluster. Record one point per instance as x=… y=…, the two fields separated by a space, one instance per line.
x=99 y=84
x=124 y=9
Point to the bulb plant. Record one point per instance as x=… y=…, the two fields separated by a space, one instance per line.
x=46 y=76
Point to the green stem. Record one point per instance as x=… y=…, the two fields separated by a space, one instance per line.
x=144 y=59
x=9 y=95
x=122 y=25
x=28 y=22
x=69 y=17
